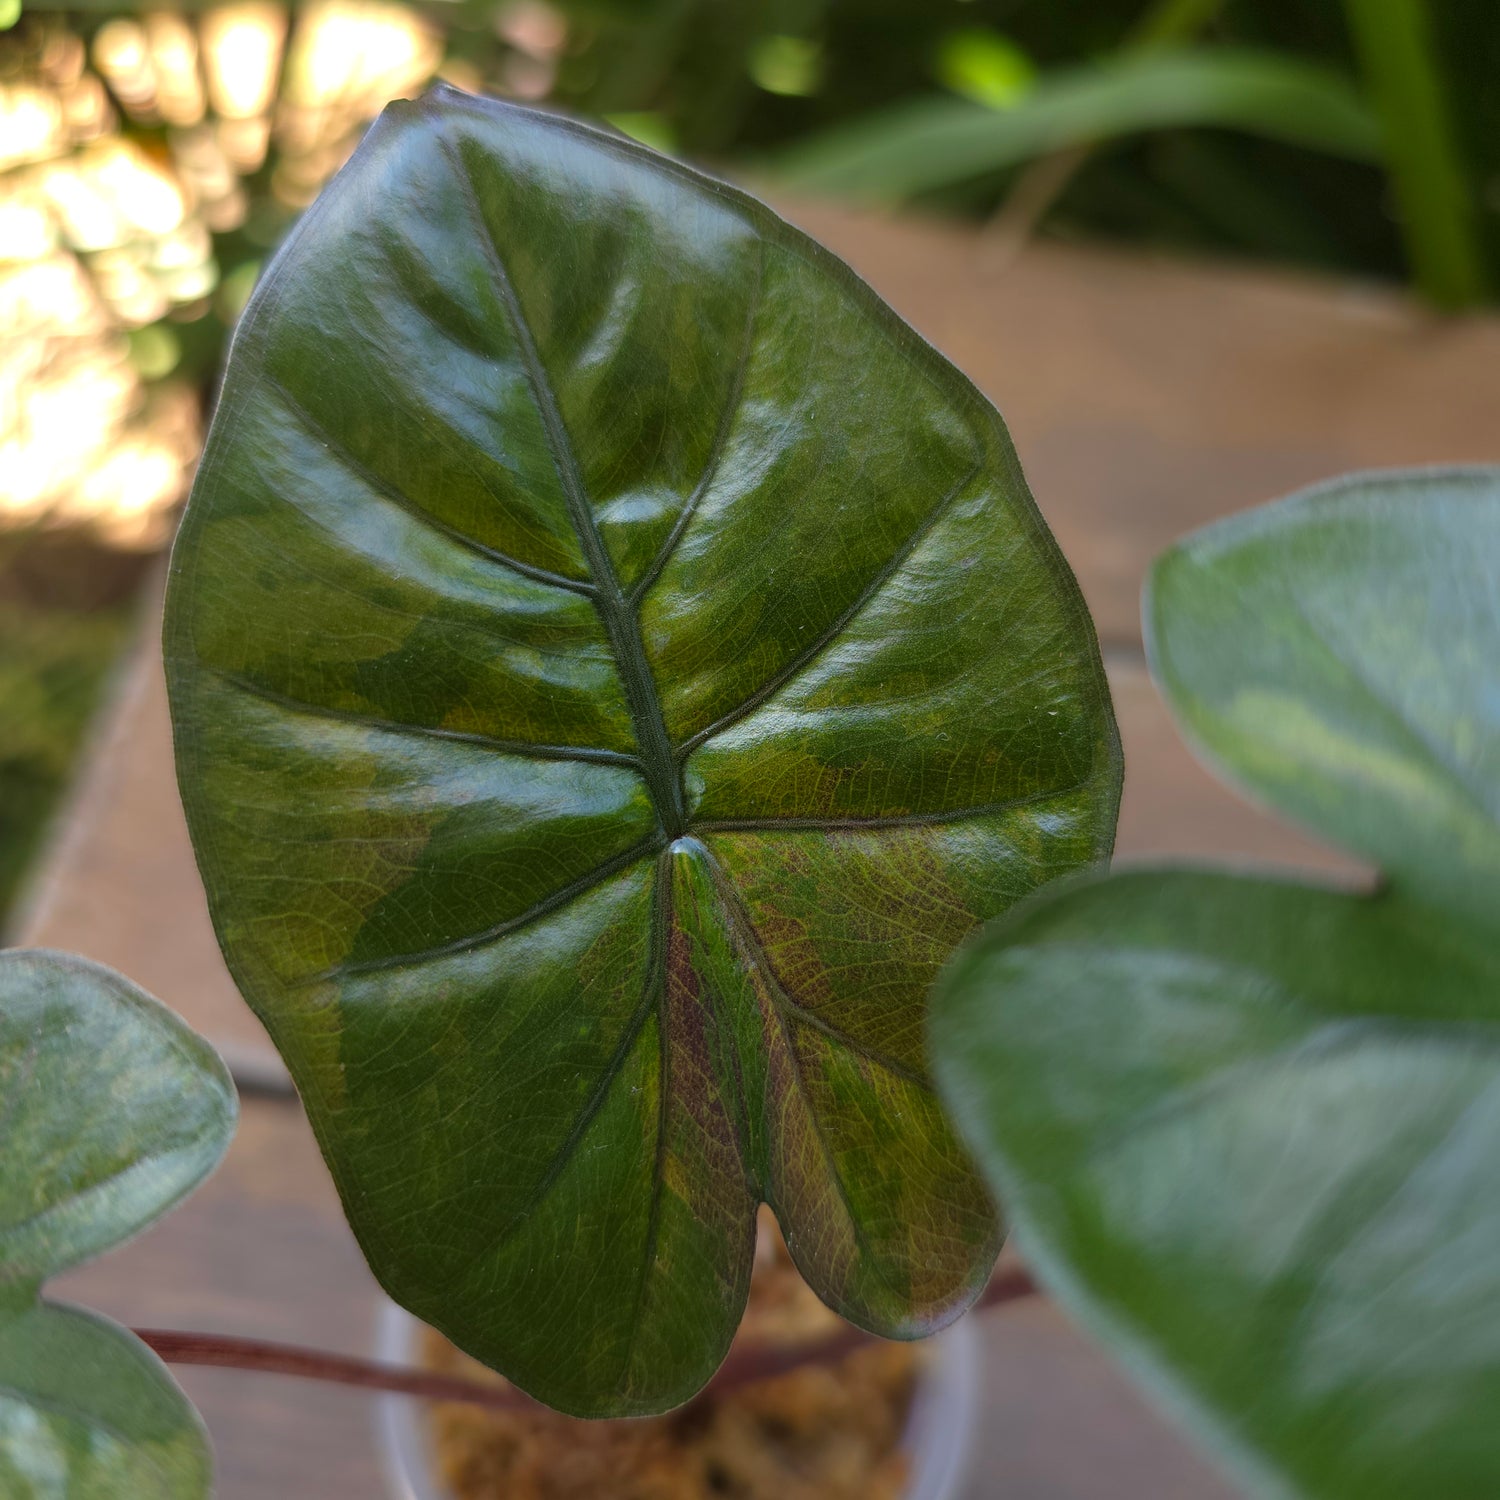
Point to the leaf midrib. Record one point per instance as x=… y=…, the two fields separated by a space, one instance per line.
x=659 y=765
x=788 y=1012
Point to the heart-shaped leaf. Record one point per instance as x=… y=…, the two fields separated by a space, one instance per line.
x=111 y=1110
x=614 y=661
x=1247 y=1129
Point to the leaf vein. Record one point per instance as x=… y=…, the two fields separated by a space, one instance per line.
x=545 y=907
x=523 y=748
x=786 y=1010
x=830 y=636
x=875 y=824
x=399 y=498
x=658 y=766
x=731 y=410
x=656 y=989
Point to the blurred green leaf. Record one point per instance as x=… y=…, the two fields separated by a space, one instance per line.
x=789 y=65
x=111 y=1110
x=155 y=350
x=1439 y=212
x=1246 y=1130
x=87 y=1412
x=1166 y=23
x=1246 y=1134
x=986 y=67
x=53 y=664
x=234 y=290
x=934 y=143
x=649 y=127
x=1339 y=656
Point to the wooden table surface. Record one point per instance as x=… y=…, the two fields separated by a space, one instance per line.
x=1145 y=399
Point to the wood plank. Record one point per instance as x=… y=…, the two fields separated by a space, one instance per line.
x=1059 y=1422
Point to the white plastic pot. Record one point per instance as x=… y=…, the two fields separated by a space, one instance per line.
x=938 y=1438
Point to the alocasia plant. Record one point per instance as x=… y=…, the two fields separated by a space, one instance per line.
x=1248 y=1129
x=613 y=662
x=111 y=1110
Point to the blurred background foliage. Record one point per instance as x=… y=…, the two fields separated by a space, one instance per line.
x=152 y=155
x=66 y=614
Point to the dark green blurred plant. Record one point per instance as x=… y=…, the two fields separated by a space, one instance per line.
x=1435 y=197
x=1387 y=107
x=1355 y=135
x=940 y=142
x=51 y=664
x=54 y=659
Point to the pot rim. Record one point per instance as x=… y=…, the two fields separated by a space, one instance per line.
x=938 y=1437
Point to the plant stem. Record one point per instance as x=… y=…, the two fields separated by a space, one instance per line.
x=743 y=1367
x=1404 y=81
x=225 y=1351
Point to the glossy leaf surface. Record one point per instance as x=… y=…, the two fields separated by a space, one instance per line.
x=1246 y=1130
x=111 y=1110
x=614 y=661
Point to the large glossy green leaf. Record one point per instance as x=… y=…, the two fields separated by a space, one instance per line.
x=933 y=143
x=111 y=1110
x=614 y=661
x=1247 y=1130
